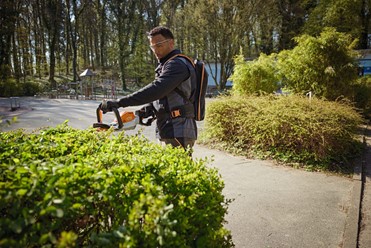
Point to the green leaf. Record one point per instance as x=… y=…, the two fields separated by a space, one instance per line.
x=21 y=192
x=77 y=206
x=59 y=213
x=16 y=227
x=57 y=201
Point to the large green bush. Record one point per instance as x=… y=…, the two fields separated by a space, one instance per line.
x=250 y=77
x=9 y=87
x=313 y=133
x=66 y=187
x=324 y=65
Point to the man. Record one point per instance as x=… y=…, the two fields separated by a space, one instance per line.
x=175 y=117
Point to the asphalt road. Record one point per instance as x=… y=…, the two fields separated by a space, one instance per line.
x=272 y=205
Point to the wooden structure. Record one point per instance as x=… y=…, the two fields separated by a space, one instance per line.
x=87 y=84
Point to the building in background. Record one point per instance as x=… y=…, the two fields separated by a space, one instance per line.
x=364 y=62
x=213 y=70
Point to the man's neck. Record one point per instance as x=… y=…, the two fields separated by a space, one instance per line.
x=171 y=54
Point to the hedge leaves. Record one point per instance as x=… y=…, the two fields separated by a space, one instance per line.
x=66 y=187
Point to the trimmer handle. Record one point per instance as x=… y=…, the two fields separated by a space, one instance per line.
x=117 y=114
x=147 y=113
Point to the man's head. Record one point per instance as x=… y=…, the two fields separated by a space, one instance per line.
x=161 y=41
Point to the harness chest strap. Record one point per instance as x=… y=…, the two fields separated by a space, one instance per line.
x=186 y=111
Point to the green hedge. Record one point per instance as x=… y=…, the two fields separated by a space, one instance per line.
x=293 y=129
x=11 y=87
x=72 y=188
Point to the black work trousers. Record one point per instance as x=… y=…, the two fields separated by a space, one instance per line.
x=180 y=142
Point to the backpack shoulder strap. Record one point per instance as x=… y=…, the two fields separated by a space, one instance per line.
x=183 y=56
x=193 y=64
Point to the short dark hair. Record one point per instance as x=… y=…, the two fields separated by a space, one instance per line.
x=164 y=31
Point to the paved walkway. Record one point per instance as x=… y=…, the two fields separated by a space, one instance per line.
x=272 y=206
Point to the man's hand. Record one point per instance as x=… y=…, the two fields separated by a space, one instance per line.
x=107 y=106
x=148 y=113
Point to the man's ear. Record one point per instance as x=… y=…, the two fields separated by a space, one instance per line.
x=171 y=43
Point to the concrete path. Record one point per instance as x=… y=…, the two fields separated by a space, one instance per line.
x=365 y=222
x=272 y=205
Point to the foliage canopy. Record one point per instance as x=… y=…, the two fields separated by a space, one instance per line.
x=324 y=65
x=47 y=39
x=260 y=75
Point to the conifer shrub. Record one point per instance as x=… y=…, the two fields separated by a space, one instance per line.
x=78 y=188
x=314 y=133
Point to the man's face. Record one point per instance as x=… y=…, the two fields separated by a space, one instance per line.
x=161 y=46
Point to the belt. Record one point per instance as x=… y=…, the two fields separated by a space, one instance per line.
x=185 y=111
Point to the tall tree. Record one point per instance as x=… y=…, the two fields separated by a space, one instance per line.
x=219 y=43
x=52 y=15
x=259 y=22
x=153 y=9
x=38 y=39
x=170 y=10
x=8 y=17
x=126 y=14
x=24 y=40
x=73 y=11
x=292 y=17
x=365 y=15
x=348 y=16
x=89 y=34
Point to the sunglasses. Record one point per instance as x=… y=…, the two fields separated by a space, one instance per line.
x=158 y=44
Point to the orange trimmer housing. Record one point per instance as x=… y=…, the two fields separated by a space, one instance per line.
x=117 y=124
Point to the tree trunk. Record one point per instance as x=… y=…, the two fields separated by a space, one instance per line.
x=8 y=15
x=52 y=43
x=102 y=37
x=68 y=40
x=365 y=20
x=73 y=29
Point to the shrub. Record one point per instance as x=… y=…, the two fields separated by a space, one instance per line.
x=68 y=187
x=362 y=95
x=256 y=76
x=30 y=88
x=10 y=87
x=288 y=128
x=324 y=65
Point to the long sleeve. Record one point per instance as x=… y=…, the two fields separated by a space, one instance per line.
x=173 y=73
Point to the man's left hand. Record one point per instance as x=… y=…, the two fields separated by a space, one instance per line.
x=109 y=106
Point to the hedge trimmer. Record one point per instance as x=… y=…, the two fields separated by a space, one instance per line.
x=127 y=120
